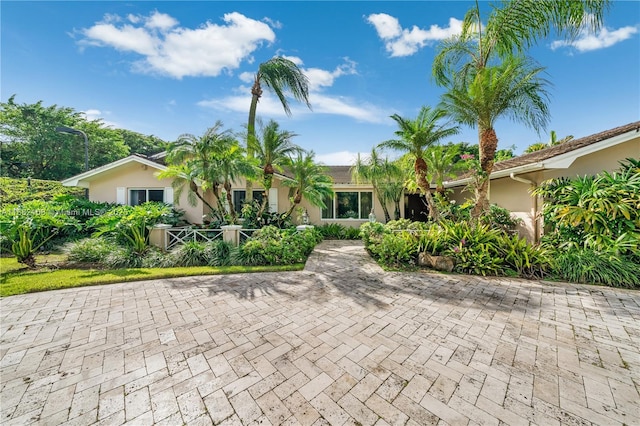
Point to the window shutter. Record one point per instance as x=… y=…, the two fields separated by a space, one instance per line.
x=168 y=195
x=120 y=195
x=273 y=200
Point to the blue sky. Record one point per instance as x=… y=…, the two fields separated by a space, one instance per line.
x=167 y=68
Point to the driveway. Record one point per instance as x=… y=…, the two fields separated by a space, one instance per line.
x=342 y=342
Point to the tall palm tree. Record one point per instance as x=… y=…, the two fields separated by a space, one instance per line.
x=414 y=137
x=272 y=151
x=509 y=31
x=309 y=180
x=512 y=89
x=553 y=141
x=280 y=75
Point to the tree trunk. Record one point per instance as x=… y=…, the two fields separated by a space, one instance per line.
x=387 y=216
x=420 y=167
x=232 y=210
x=256 y=93
x=194 y=188
x=267 y=182
x=488 y=146
x=296 y=200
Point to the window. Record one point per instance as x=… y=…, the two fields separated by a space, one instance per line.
x=140 y=196
x=240 y=195
x=348 y=205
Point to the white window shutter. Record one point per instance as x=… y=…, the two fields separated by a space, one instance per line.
x=273 y=200
x=168 y=195
x=120 y=195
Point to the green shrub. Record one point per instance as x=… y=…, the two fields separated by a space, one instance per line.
x=89 y=250
x=527 y=260
x=18 y=191
x=396 y=248
x=248 y=254
x=278 y=247
x=156 y=258
x=123 y=258
x=218 y=253
x=588 y=266
x=191 y=253
x=371 y=232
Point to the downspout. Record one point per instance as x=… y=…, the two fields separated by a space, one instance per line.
x=536 y=227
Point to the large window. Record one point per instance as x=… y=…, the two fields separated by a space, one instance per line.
x=348 y=205
x=240 y=195
x=140 y=196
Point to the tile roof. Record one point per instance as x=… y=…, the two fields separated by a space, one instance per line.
x=572 y=145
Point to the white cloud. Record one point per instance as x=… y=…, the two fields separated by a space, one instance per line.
x=177 y=52
x=341 y=158
x=96 y=114
x=405 y=42
x=321 y=103
x=587 y=41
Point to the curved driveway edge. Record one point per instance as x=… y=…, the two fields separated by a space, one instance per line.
x=342 y=342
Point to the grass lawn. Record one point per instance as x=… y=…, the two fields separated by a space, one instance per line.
x=15 y=278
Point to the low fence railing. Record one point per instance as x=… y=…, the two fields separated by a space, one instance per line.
x=175 y=236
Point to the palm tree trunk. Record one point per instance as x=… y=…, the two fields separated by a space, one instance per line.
x=488 y=146
x=267 y=182
x=256 y=92
x=232 y=210
x=296 y=200
x=383 y=203
x=420 y=167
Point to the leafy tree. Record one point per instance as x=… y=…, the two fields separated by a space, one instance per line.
x=142 y=144
x=278 y=75
x=272 y=151
x=441 y=161
x=414 y=137
x=30 y=145
x=462 y=61
x=230 y=164
x=309 y=180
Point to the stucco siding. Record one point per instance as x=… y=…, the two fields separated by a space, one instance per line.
x=103 y=187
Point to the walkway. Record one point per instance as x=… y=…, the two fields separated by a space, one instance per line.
x=341 y=343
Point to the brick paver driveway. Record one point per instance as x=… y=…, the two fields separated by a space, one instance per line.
x=341 y=343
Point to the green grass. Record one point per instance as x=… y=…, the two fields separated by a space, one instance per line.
x=16 y=279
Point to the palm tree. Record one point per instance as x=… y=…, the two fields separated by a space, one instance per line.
x=231 y=164
x=553 y=141
x=441 y=162
x=509 y=31
x=272 y=151
x=414 y=137
x=191 y=161
x=512 y=89
x=188 y=176
x=279 y=75
x=381 y=173
x=309 y=180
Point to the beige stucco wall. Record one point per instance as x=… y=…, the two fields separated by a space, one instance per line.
x=102 y=187
x=315 y=213
x=515 y=196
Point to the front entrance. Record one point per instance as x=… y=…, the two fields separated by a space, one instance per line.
x=415 y=208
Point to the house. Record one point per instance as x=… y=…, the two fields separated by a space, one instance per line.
x=132 y=180
x=512 y=180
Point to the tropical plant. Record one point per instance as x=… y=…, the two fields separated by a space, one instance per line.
x=272 y=151
x=553 y=141
x=584 y=265
x=414 y=137
x=383 y=174
x=309 y=180
x=485 y=59
x=88 y=250
x=511 y=89
x=280 y=75
x=441 y=163
x=599 y=212
x=193 y=166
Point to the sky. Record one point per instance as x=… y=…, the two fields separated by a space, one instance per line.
x=167 y=68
